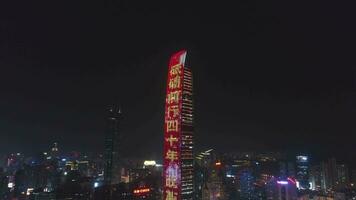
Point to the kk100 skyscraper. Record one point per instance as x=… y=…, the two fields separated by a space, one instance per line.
x=178 y=131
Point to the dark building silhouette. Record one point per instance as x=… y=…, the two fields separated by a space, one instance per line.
x=112 y=145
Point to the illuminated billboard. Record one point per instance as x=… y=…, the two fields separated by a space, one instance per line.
x=172 y=128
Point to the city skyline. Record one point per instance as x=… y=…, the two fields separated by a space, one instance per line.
x=182 y=100
x=270 y=81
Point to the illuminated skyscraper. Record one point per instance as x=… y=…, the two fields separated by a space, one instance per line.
x=112 y=166
x=246 y=184
x=302 y=163
x=178 y=133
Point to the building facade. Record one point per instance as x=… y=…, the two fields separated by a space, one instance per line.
x=302 y=175
x=178 y=131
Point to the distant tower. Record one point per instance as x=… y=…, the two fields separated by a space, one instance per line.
x=112 y=142
x=54 y=150
x=246 y=182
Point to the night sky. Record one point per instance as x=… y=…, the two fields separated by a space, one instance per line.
x=268 y=75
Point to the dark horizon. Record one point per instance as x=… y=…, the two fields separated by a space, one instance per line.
x=270 y=76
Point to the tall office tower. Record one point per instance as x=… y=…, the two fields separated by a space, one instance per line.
x=325 y=184
x=178 y=133
x=332 y=171
x=316 y=178
x=55 y=147
x=213 y=188
x=302 y=164
x=343 y=178
x=246 y=184
x=112 y=142
x=54 y=150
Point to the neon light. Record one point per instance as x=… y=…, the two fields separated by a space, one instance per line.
x=291 y=180
x=282 y=182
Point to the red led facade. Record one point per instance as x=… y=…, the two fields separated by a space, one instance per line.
x=172 y=129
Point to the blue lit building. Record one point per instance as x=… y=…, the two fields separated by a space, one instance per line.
x=246 y=185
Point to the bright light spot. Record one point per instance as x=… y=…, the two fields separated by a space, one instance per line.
x=218 y=164
x=29 y=190
x=10 y=185
x=302 y=158
x=282 y=182
x=65 y=173
x=149 y=163
x=63 y=159
x=96 y=184
x=140 y=191
x=311 y=186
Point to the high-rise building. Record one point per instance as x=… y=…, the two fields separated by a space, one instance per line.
x=246 y=185
x=178 y=133
x=54 y=150
x=302 y=176
x=343 y=178
x=329 y=176
x=316 y=178
x=332 y=172
x=214 y=187
x=203 y=164
x=353 y=177
x=111 y=154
